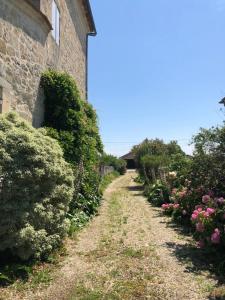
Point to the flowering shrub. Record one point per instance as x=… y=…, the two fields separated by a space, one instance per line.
x=195 y=184
x=35 y=191
x=207 y=218
x=169 y=208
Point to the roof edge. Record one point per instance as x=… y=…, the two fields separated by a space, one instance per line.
x=89 y=14
x=129 y=155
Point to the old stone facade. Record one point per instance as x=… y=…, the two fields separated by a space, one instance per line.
x=27 y=48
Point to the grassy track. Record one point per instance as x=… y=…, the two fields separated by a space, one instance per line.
x=126 y=252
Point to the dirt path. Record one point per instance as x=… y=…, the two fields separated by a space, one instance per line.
x=127 y=252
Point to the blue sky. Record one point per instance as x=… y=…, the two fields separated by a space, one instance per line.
x=156 y=69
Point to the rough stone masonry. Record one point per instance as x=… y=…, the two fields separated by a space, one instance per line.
x=27 y=48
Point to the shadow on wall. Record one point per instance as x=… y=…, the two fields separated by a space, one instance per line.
x=22 y=15
x=38 y=112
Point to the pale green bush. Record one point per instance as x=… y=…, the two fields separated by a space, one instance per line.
x=36 y=186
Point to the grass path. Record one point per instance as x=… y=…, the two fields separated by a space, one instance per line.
x=127 y=252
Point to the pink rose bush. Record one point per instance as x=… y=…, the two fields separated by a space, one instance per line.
x=205 y=213
x=215 y=237
x=205 y=199
x=201 y=210
x=181 y=204
x=170 y=207
x=207 y=220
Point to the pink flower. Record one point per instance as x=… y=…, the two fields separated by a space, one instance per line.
x=211 y=193
x=200 y=227
x=210 y=210
x=183 y=193
x=165 y=206
x=194 y=216
x=201 y=244
x=199 y=209
x=205 y=214
x=174 y=191
x=221 y=200
x=215 y=237
x=176 y=206
x=198 y=206
x=205 y=199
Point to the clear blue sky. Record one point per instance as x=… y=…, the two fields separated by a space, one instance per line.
x=156 y=69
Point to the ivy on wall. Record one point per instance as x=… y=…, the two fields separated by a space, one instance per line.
x=73 y=122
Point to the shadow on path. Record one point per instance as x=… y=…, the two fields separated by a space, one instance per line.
x=198 y=261
x=136 y=188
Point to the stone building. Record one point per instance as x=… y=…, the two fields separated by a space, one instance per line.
x=36 y=35
x=130 y=160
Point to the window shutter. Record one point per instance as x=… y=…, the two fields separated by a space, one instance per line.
x=57 y=26
x=55 y=22
x=53 y=18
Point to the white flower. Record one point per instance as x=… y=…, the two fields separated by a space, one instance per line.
x=173 y=174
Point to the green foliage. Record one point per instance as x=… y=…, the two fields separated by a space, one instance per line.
x=107 y=179
x=14 y=270
x=118 y=164
x=28 y=274
x=157 y=193
x=77 y=221
x=73 y=122
x=182 y=165
x=208 y=161
x=154 y=158
x=36 y=188
x=151 y=166
x=88 y=197
x=148 y=147
x=83 y=209
x=197 y=189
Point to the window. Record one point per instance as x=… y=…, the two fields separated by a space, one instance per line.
x=55 y=22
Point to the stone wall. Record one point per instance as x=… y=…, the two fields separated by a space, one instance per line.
x=27 y=48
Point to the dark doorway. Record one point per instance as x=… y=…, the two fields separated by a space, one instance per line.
x=129 y=158
x=130 y=164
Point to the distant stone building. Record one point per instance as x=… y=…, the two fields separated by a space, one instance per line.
x=130 y=160
x=36 y=35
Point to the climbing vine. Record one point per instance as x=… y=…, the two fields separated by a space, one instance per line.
x=73 y=122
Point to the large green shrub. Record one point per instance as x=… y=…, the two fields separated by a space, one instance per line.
x=35 y=191
x=73 y=122
x=151 y=166
x=208 y=163
x=154 y=156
